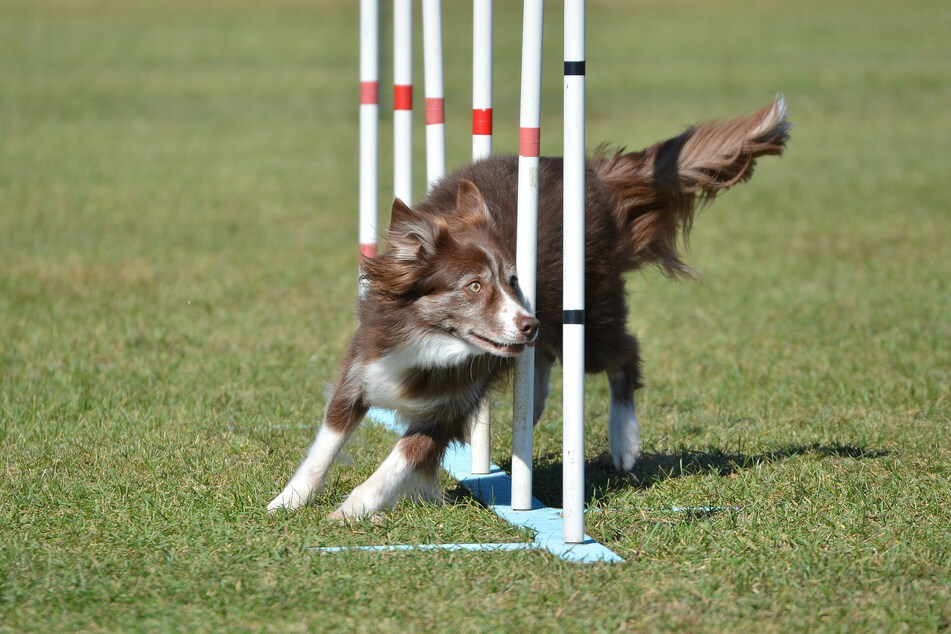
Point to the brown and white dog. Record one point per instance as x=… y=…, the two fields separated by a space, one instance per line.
x=441 y=318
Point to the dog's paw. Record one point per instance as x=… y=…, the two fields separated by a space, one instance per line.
x=624 y=435
x=291 y=498
x=348 y=514
x=338 y=518
x=624 y=458
x=360 y=504
x=625 y=440
x=424 y=488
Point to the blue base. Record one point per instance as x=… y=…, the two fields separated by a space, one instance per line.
x=495 y=491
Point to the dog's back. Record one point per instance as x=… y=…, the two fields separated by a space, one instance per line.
x=638 y=206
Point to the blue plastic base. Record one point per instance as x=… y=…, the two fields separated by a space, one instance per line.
x=495 y=491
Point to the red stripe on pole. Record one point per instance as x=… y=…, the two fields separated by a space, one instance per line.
x=403 y=97
x=435 y=110
x=369 y=93
x=529 y=140
x=368 y=250
x=482 y=121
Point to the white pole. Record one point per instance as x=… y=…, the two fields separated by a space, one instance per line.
x=481 y=435
x=527 y=245
x=573 y=303
x=369 y=124
x=435 y=104
x=481 y=79
x=403 y=100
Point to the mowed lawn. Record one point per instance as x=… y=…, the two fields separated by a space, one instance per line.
x=177 y=278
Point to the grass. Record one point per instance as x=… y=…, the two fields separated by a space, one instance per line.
x=177 y=263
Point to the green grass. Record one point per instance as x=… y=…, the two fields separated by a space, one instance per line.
x=177 y=264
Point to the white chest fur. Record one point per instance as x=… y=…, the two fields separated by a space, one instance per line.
x=383 y=378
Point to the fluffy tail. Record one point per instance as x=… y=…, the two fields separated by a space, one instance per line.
x=657 y=190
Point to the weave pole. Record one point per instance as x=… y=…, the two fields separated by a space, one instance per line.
x=435 y=103
x=403 y=100
x=481 y=79
x=526 y=254
x=573 y=299
x=480 y=437
x=369 y=122
x=493 y=488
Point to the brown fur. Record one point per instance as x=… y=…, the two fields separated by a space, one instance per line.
x=638 y=207
x=656 y=191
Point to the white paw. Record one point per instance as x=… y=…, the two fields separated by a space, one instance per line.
x=624 y=434
x=625 y=454
x=358 y=505
x=292 y=497
x=432 y=495
x=423 y=488
x=337 y=518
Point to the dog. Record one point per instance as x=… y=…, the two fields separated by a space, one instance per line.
x=441 y=317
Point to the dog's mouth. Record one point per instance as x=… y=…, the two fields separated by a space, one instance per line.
x=497 y=347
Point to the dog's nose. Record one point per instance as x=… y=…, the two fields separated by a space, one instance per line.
x=528 y=326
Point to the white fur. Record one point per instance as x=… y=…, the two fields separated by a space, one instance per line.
x=383 y=377
x=382 y=380
x=511 y=310
x=381 y=490
x=310 y=477
x=509 y=314
x=775 y=121
x=624 y=434
x=433 y=350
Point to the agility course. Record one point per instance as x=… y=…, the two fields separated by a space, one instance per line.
x=510 y=497
x=178 y=186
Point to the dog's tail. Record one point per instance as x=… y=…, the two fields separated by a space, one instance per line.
x=657 y=190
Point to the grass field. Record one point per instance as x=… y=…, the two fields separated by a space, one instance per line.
x=177 y=278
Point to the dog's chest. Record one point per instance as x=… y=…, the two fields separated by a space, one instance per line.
x=437 y=374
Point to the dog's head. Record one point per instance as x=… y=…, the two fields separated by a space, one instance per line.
x=450 y=273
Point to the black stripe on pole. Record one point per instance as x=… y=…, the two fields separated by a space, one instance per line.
x=574 y=68
x=573 y=317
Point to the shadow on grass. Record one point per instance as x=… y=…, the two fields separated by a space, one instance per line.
x=601 y=476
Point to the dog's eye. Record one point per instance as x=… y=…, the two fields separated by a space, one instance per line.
x=514 y=281
x=474 y=287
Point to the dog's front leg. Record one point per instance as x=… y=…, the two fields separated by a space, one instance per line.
x=345 y=411
x=411 y=469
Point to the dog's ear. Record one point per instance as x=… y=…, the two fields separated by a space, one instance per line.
x=400 y=214
x=471 y=205
x=415 y=234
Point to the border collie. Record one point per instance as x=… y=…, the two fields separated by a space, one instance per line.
x=441 y=318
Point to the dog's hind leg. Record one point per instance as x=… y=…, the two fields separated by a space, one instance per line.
x=411 y=469
x=624 y=432
x=345 y=411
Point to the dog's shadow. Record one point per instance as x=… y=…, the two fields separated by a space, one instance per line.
x=601 y=478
